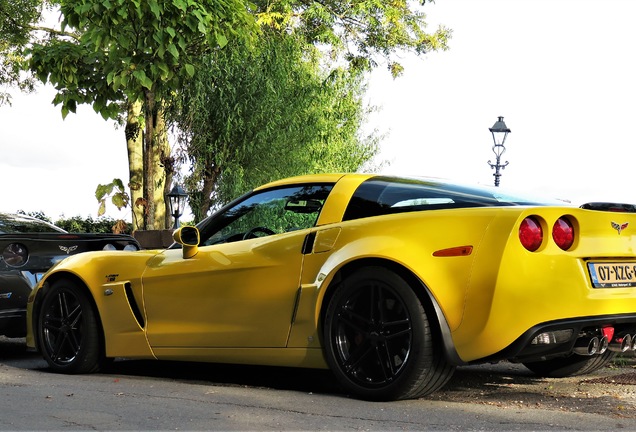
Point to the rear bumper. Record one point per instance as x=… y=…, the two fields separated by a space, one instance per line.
x=530 y=346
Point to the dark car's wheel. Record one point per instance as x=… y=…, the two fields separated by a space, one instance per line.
x=378 y=340
x=68 y=331
x=569 y=366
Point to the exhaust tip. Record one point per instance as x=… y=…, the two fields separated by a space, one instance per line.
x=602 y=345
x=587 y=346
x=622 y=343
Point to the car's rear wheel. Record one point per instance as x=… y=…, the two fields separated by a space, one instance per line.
x=378 y=340
x=570 y=366
x=68 y=331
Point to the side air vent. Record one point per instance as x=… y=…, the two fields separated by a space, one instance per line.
x=134 y=306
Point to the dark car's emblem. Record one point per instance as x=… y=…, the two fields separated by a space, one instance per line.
x=69 y=249
x=619 y=227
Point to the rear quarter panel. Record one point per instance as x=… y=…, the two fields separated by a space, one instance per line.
x=410 y=239
x=531 y=288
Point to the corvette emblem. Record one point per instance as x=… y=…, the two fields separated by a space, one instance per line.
x=69 y=249
x=619 y=227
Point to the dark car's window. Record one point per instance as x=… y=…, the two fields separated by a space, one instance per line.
x=385 y=195
x=272 y=211
x=16 y=224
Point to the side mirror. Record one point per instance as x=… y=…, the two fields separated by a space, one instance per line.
x=188 y=238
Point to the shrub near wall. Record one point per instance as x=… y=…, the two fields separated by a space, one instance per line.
x=78 y=224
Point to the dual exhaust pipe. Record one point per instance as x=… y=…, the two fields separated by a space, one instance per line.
x=591 y=345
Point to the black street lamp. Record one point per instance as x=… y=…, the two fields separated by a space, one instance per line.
x=176 y=203
x=499 y=133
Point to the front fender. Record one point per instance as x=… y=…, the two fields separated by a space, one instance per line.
x=117 y=296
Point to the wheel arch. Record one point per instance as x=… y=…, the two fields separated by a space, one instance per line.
x=439 y=326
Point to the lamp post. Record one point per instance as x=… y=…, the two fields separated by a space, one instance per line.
x=176 y=203
x=499 y=133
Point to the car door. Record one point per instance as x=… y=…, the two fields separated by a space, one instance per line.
x=240 y=289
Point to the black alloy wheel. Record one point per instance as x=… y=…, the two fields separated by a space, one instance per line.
x=68 y=331
x=378 y=341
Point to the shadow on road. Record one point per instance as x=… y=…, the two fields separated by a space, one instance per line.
x=503 y=384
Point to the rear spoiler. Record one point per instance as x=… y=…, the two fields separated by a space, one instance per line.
x=612 y=207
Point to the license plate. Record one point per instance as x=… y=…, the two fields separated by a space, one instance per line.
x=612 y=275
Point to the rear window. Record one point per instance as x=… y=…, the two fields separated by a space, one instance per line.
x=17 y=224
x=386 y=195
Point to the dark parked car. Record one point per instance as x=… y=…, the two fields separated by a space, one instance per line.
x=28 y=248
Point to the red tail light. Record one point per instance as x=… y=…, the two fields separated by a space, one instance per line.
x=563 y=233
x=531 y=234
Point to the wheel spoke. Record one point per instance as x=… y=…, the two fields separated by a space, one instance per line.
x=353 y=320
x=373 y=334
x=385 y=362
x=56 y=349
x=356 y=357
x=62 y=328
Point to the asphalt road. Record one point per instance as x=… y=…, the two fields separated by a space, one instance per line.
x=145 y=395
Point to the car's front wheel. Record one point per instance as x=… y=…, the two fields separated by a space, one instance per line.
x=378 y=341
x=67 y=329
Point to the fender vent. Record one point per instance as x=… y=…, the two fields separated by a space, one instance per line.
x=133 y=305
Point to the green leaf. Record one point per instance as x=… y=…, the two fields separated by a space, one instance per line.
x=189 y=70
x=140 y=75
x=155 y=9
x=172 y=49
x=221 y=40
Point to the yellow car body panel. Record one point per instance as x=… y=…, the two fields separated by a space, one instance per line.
x=262 y=300
x=127 y=338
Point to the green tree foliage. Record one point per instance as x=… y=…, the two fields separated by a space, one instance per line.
x=118 y=52
x=124 y=57
x=78 y=224
x=363 y=32
x=252 y=114
x=114 y=190
x=17 y=20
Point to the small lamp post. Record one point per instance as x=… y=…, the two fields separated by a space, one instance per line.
x=499 y=133
x=176 y=203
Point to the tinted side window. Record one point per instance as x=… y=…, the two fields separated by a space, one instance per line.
x=273 y=211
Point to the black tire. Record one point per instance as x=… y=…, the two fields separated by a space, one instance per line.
x=570 y=366
x=378 y=341
x=68 y=331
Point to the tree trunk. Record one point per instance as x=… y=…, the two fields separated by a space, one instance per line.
x=210 y=179
x=134 y=142
x=164 y=165
x=149 y=160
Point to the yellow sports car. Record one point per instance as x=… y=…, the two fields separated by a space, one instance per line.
x=389 y=282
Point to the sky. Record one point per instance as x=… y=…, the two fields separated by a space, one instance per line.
x=562 y=73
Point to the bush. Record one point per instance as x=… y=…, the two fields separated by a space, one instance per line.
x=100 y=225
x=78 y=224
